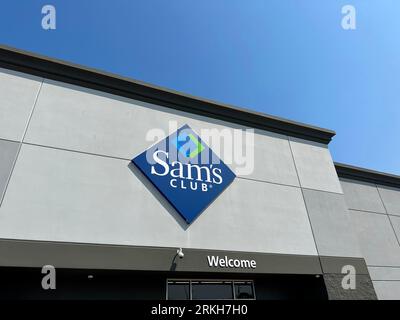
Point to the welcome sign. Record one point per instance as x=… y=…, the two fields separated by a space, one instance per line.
x=185 y=171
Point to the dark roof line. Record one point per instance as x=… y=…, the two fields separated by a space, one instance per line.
x=45 y=67
x=362 y=174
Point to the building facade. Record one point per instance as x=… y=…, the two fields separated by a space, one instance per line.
x=298 y=226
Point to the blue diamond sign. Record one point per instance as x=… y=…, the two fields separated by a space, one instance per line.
x=186 y=172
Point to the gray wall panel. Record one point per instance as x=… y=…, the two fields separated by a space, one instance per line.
x=315 y=166
x=255 y=216
x=387 y=290
x=73 y=197
x=364 y=288
x=273 y=159
x=362 y=196
x=376 y=238
x=18 y=92
x=8 y=153
x=384 y=273
x=331 y=224
x=81 y=119
x=66 y=196
x=396 y=225
x=391 y=199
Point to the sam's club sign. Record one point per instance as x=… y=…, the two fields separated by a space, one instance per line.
x=186 y=171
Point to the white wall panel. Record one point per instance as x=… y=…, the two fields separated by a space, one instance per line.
x=75 y=118
x=362 y=196
x=377 y=239
x=58 y=195
x=315 y=166
x=17 y=92
x=256 y=216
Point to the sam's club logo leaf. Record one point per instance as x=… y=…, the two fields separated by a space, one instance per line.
x=186 y=172
x=188 y=144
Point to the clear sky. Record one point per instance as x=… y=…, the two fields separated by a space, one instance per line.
x=288 y=58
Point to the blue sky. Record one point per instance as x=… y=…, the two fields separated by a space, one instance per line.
x=287 y=58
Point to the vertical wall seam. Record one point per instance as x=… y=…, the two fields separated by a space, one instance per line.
x=380 y=198
x=32 y=110
x=305 y=204
x=387 y=214
x=21 y=142
x=294 y=163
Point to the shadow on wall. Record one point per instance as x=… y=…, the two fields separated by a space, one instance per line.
x=153 y=190
x=157 y=194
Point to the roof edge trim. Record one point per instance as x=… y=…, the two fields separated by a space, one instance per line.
x=367 y=175
x=27 y=62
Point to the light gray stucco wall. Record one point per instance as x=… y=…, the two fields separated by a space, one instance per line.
x=8 y=154
x=18 y=93
x=73 y=181
x=74 y=175
x=373 y=211
x=324 y=200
